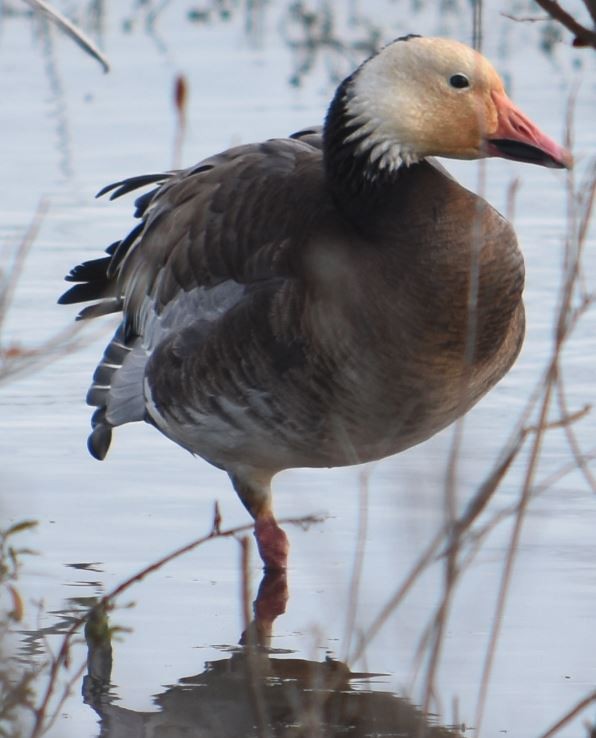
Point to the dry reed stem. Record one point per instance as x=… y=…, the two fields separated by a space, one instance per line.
x=512 y=551
x=429 y=556
x=526 y=18
x=16 y=359
x=357 y=566
x=424 y=560
x=571 y=437
x=10 y=280
x=80 y=38
x=570 y=715
x=180 y=107
x=474 y=538
x=574 y=244
x=252 y=646
x=245 y=595
x=583 y=36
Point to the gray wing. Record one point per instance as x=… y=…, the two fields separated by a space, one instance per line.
x=206 y=235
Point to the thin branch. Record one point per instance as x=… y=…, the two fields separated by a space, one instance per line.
x=591 y=6
x=571 y=437
x=573 y=251
x=215 y=532
x=12 y=277
x=16 y=359
x=180 y=107
x=526 y=18
x=373 y=629
x=583 y=35
x=357 y=566
x=70 y=29
x=514 y=545
x=570 y=715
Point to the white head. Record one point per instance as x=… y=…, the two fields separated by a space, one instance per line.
x=422 y=97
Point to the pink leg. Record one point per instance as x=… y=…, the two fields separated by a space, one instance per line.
x=254 y=489
x=272 y=542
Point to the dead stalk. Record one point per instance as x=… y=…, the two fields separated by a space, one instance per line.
x=245 y=596
x=16 y=359
x=8 y=287
x=356 y=577
x=180 y=106
x=570 y=715
x=583 y=35
x=573 y=250
x=253 y=646
x=78 y=36
x=426 y=558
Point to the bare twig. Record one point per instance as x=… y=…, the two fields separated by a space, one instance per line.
x=570 y=715
x=563 y=327
x=358 y=562
x=464 y=522
x=10 y=280
x=571 y=437
x=180 y=105
x=512 y=191
x=526 y=18
x=591 y=6
x=583 y=36
x=426 y=558
x=514 y=541
x=70 y=29
x=16 y=359
x=212 y=535
x=245 y=598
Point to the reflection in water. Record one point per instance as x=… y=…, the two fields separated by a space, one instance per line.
x=34 y=643
x=57 y=99
x=319 y=35
x=314 y=34
x=253 y=693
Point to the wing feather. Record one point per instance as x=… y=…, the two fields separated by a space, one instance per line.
x=241 y=215
x=205 y=235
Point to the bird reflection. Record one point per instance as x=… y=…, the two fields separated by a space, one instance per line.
x=253 y=691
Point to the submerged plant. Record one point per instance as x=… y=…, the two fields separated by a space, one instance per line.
x=16 y=685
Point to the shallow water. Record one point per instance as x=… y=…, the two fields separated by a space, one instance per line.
x=67 y=130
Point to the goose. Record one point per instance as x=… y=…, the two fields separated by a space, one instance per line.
x=325 y=299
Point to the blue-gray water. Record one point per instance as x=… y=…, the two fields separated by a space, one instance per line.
x=67 y=130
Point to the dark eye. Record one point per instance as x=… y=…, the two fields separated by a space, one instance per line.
x=459 y=81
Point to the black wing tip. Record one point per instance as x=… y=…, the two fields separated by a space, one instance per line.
x=99 y=441
x=66 y=298
x=79 y=293
x=312 y=131
x=124 y=186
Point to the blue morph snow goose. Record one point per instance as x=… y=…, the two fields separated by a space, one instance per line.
x=305 y=301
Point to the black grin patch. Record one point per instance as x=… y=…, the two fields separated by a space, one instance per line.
x=525 y=152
